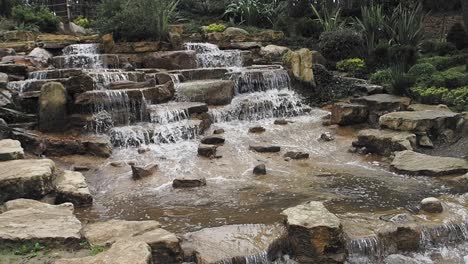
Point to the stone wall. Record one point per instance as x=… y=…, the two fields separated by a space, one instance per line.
x=435 y=27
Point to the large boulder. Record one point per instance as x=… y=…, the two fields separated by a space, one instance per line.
x=212 y=92
x=380 y=104
x=71 y=187
x=316 y=235
x=41 y=55
x=348 y=114
x=31 y=221
x=385 y=142
x=26 y=179
x=53 y=108
x=10 y=150
x=414 y=163
x=171 y=60
x=300 y=63
x=122 y=252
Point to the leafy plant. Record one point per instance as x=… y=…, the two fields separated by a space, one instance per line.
x=354 y=65
x=29 y=248
x=372 y=25
x=445 y=62
x=456 y=98
x=7 y=24
x=422 y=72
x=82 y=21
x=329 y=18
x=215 y=28
x=403 y=55
x=406 y=25
x=449 y=78
x=254 y=12
x=340 y=45
x=96 y=250
x=382 y=77
x=400 y=81
x=35 y=17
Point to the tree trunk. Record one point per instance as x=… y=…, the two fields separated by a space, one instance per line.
x=465 y=12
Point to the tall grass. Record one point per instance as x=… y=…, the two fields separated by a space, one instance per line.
x=406 y=25
x=372 y=25
x=329 y=18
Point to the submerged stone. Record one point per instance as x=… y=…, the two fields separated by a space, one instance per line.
x=140 y=172
x=208 y=151
x=265 y=149
x=260 y=170
x=296 y=155
x=188 y=183
x=432 y=205
x=213 y=140
x=256 y=130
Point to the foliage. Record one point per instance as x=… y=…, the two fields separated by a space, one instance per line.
x=456 y=98
x=215 y=28
x=29 y=248
x=458 y=36
x=381 y=55
x=445 y=62
x=371 y=25
x=308 y=28
x=6 y=6
x=403 y=55
x=82 y=21
x=406 y=26
x=400 y=81
x=35 y=17
x=427 y=46
x=96 y=250
x=340 y=45
x=382 y=77
x=329 y=18
x=255 y=12
x=422 y=72
x=354 y=65
x=449 y=78
x=7 y=24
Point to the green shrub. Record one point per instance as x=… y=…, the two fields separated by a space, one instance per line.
x=255 y=12
x=431 y=95
x=442 y=63
x=82 y=21
x=458 y=98
x=215 y=28
x=406 y=25
x=458 y=36
x=400 y=81
x=329 y=18
x=7 y=24
x=308 y=28
x=422 y=72
x=380 y=56
x=340 y=45
x=35 y=17
x=445 y=48
x=403 y=55
x=353 y=66
x=372 y=25
x=382 y=77
x=428 y=46
x=455 y=98
x=449 y=78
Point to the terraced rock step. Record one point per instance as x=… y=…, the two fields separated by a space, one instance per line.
x=385 y=142
x=71 y=187
x=380 y=104
x=10 y=150
x=174 y=111
x=86 y=61
x=414 y=163
x=73 y=84
x=201 y=74
x=211 y=92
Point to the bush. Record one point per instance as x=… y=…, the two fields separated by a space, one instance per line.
x=135 y=20
x=215 y=28
x=445 y=48
x=382 y=77
x=35 y=17
x=380 y=55
x=428 y=46
x=458 y=36
x=406 y=25
x=6 y=6
x=422 y=72
x=400 y=81
x=340 y=45
x=82 y=21
x=443 y=63
x=456 y=98
x=450 y=79
x=308 y=28
x=354 y=66
x=432 y=95
x=403 y=55
x=7 y=24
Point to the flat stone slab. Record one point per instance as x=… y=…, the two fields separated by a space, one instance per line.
x=225 y=243
x=422 y=121
x=122 y=252
x=211 y=92
x=414 y=163
x=10 y=150
x=383 y=101
x=385 y=142
x=71 y=187
x=32 y=221
x=26 y=179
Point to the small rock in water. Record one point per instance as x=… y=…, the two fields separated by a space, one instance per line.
x=143 y=150
x=213 y=140
x=218 y=131
x=326 y=137
x=260 y=170
x=118 y=164
x=296 y=155
x=207 y=150
x=432 y=205
x=287 y=159
x=144 y=171
x=281 y=122
x=80 y=168
x=188 y=183
x=265 y=149
x=258 y=129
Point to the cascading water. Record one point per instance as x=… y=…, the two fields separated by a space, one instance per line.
x=102 y=78
x=84 y=56
x=248 y=81
x=210 y=56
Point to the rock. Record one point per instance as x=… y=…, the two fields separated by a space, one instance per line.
x=231 y=31
x=10 y=150
x=72 y=187
x=318 y=58
x=171 y=60
x=432 y=205
x=29 y=221
x=41 y=54
x=400 y=259
x=108 y=43
x=213 y=140
x=143 y=150
x=265 y=149
x=218 y=131
x=80 y=168
x=53 y=108
x=425 y=107
x=165 y=246
x=414 y=163
x=14 y=69
x=300 y=62
x=122 y=252
x=188 y=183
x=208 y=151
x=257 y=130
x=296 y=155
x=315 y=234
x=139 y=172
x=281 y=122
x=327 y=137
x=380 y=104
x=7 y=52
x=425 y=141
x=26 y=179
x=260 y=170
x=370 y=89
x=403 y=237
x=71 y=28
x=97 y=145
x=3 y=80
x=273 y=53
x=349 y=114
x=233 y=243
x=385 y=142
x=4 y=133
x=212 y=92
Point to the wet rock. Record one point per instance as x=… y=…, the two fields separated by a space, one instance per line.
x=281 y=122
x=370 y=89
x=385 y=142
x=165 y=247
x=400 y=259
x=425 y=141
x=122 y=252
x=397 y=219
x=4 y=133
x=274 y=52
x=143 y=150
x=260 y=170
x=380 y=104
x=3 y=80
x=53 y=108
x=139 y=172
x=218 y=131
x=432 y=205
x=80 y=168
x=405 y=237
x=26 y=179
x=188 y=183
x=300 y=63
x=315 y=234
x=265 y=149
x=72 y=187
x=296 y=155
x=171 y=60
x=213 y=140
x=10 y=150
x=24 y=221
x=327 y=137
x=414 y=163
x=14 y=69
x=212 y=92
x=208 y=151
x=349 y=114
x=257 y=130
x=41 y=54
x=97 y=145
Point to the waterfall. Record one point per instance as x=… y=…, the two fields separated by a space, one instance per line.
x=104 y=77
x=210 y=56
x=166 y=115
x=84 y=56
x=248 y=81
x=116 y=103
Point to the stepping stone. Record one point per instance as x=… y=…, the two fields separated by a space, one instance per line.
x=385 y=142
x=26 y=179
x=296 y=155
x=10 y=150
x=31 y=221
x=139 y=172
x=188 y=183
x=265 y=149
x=213 y=140
x=257 y=129
x=281 y=122
x=380 y=104
x=72 y=187
x=207 y=150
x=348 y=114
x=414 y=163
x=260 y=170
x=421 y=121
